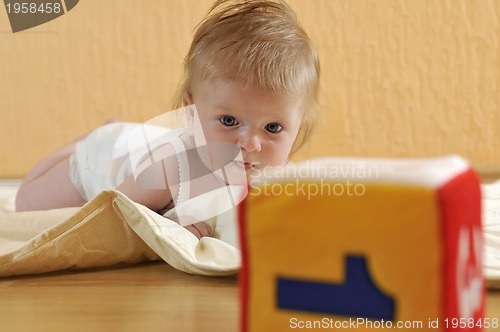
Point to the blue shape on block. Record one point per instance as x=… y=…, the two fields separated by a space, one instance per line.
x=358 y=296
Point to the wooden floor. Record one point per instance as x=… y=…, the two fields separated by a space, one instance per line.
x=149 y=297
x=142 y=298
x=493 y=307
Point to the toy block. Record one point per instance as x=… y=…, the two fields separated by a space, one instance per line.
x=365 y=244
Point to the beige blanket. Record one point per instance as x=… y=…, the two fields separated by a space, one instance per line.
x=108 y=230
x=491 y=226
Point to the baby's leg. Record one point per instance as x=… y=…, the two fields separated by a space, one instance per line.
x=49 y=190
x=49 y=162
x=48 y=185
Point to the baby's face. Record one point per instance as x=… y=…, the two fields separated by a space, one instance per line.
x=261 y=123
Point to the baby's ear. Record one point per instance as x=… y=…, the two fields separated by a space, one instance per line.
x=188 y=99
x=190 y=110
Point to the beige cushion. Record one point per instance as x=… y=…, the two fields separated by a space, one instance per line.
x=108 y=230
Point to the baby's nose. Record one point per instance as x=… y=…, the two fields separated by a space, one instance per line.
x=250 y=142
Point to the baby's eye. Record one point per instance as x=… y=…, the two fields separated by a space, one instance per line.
x=228 y=121
x=274 y=127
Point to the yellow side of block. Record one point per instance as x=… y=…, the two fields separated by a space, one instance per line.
x=397 y=228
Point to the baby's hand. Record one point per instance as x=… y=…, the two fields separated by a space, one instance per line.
x=200 y=229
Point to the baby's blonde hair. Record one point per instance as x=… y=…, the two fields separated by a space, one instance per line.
x=259 y=42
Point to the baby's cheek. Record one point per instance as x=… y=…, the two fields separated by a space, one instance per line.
x=278 y=159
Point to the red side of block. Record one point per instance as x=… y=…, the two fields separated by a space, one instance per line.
x=243 y=275
x=464 y=294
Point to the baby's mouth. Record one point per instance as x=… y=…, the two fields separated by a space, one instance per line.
x=247 y=166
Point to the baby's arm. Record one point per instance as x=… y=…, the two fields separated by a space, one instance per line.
x=156 y=199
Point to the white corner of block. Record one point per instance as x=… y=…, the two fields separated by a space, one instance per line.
x=426 y=172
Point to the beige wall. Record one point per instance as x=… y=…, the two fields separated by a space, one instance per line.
x=400 y=78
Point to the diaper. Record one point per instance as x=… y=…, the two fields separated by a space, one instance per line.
x=102 y=160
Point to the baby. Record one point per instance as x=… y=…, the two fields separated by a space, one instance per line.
x=250 y=79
